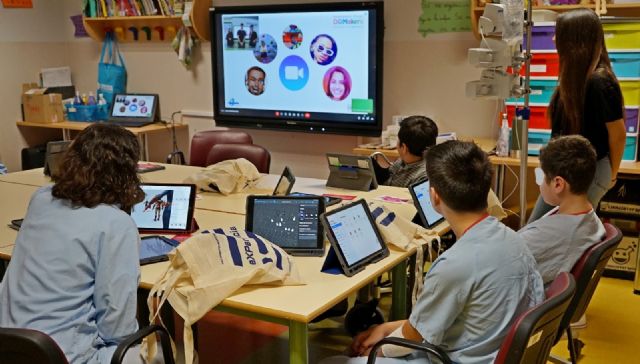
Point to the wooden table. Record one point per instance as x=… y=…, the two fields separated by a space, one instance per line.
x=140 y=132
x=293 y=306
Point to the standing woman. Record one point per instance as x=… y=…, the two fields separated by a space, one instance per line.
x=75 y=266
x=588 y=100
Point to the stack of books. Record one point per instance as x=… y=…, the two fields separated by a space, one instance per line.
x=112 y=8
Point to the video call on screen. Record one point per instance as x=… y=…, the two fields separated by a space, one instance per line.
x=298 y=64
x=164 y=207
x=287 y=223
x=354 y=233
x=422 y=193
x=140 y=106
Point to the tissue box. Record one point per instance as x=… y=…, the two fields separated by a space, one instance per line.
x=39 y=106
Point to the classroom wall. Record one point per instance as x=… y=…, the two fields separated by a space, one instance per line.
x=421 y=76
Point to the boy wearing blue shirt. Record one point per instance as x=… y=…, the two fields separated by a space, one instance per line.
x=558 y=239
x=475 y=290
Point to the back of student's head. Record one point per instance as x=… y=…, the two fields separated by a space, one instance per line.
x=571 y=157
x=418 y=133
x=460 y=173
x=100 y=168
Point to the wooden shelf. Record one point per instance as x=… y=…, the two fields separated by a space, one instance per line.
x=97 y=27
x=620 y=10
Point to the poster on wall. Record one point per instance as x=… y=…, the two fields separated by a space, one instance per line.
x=17 y=4
x=444 y=16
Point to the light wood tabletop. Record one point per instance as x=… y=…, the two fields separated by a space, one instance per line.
x=81 y=125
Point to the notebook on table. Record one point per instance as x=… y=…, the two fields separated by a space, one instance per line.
x=290 y=222
x=167 y=208
x=134 y=110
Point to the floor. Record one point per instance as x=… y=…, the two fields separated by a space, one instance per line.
x=613 y=330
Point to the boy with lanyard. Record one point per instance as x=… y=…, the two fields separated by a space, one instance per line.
x=474 y=290
x=416 y=134
x=558 y=239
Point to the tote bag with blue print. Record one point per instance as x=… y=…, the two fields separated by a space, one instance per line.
x=112 y=76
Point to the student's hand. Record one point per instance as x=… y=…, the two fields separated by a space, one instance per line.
x=363 y=342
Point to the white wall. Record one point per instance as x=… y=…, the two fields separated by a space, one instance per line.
x=421 y=76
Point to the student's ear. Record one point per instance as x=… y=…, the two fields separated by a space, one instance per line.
x=558 y=184
x=436 y=201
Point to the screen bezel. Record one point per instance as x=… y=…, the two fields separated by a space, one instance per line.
x=288 y=175
x=284 y=124
x=154 y=111
x=359 y=265
x=190 y=226
x=321 y=208
x=416 y=203
x=157 y=258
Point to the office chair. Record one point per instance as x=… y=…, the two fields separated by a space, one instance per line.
x=26 y=346
x=530 y=338
x=203 y=141
x=587 y=272
x=259 y=156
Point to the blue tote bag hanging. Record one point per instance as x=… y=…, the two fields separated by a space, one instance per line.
x=112 y=77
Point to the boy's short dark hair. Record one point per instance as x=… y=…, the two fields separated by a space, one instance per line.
x=461 y=174
x=571 y=157
x=417 y=133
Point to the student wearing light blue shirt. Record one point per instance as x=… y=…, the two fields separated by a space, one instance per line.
x=75 y=267
x=475 y=290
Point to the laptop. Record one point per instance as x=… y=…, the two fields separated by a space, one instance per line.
x=285 y=185
x=354 y=237
x=53 y=157
x=291 y=223
x=134 y=110
x=167 y=208
x=420 y=194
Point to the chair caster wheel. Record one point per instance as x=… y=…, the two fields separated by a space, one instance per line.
x=362 y=316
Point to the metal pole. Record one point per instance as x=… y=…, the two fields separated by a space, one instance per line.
x=524 y=142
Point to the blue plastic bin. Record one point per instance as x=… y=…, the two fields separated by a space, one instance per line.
x=630 y=148
x=82 y=112
x=625 y=64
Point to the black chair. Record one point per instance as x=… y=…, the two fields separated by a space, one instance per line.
x=26 y=346
x=541 y=322
x=587 y=272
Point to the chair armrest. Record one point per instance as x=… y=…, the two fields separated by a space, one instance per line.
x=137 y=337
x=422 y=346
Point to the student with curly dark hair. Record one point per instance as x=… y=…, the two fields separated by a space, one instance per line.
x=75 y=266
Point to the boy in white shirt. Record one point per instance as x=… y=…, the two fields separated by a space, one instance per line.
x=559 y=238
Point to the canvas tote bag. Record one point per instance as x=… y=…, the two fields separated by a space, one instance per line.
x=112 y=77
x=207 y=268
x=405 y=235
x=226 y=177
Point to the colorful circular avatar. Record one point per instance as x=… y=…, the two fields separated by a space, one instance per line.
x=323 y=49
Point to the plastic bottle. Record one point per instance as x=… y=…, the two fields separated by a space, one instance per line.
x=101 y=100
x=77 y=100
x=84 y=99
x=91 y=100
x=502 y=147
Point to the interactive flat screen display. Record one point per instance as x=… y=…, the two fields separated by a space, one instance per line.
x=313 y=67
x=165 y=207
x=354 y=233
x=427 y=213
x=133 y=106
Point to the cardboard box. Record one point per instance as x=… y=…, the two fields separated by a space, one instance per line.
x=40 y=106
x=623 y=261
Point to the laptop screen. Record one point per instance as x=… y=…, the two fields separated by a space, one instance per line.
x=429 y=216
x=133 y=106
x=354 y=233
x=290 y=223
x=165 y=207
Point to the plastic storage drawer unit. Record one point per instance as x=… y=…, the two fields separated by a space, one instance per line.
x=541 y=92
x=622 y=35
x=625 y=64
x=630 y=148
x=544 y=65
x=536 y=140
x=537 y=118
x=542 y=38
x=631 y=120
x=630 y=92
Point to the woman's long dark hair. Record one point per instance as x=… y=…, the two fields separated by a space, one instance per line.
x=582 y=52
x=100 y=168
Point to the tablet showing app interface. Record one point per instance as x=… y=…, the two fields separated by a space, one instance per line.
x=166 y=207
x=420 y=193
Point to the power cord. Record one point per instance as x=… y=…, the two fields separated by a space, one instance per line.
x=176 y=152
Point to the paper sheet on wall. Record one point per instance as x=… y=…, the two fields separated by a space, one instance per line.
x=444 y=16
